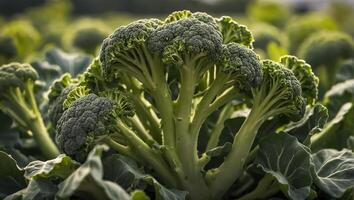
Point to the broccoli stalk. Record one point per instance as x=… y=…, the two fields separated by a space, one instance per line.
x=18 y=101
x=157 y=82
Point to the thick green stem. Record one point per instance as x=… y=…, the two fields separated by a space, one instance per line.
x=141 y=131
x=26 y=112
x=41 y=136
x=201 y=111
x=125 y=150
x=223 y=177
x=192 y=180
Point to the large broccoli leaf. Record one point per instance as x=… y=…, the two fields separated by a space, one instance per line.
x=87 y=181
x=333 y=171
x=288 y=161
x=126 y=173
x=11 y=176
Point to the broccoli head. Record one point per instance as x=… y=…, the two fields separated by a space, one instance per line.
x=17 y=99
x=82 y=123
x=325 y=51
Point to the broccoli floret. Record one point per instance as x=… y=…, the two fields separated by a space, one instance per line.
x=81 y=124
x=17 y=99
x=325 y=51
x=190 y=38
x=242 y=64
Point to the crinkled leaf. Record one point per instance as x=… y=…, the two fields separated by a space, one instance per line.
x=10 y=141
x=71 y=63
x=288 y=161
x=42 y=189
x=47 y=72
x=121 y=170
x=312 y=123
x=87 y=181
x=346 y=71
x=333 y=171
x=125 y=172
x=61 y=166
x=162 y=193
x=338 y=95
x=336 y=131
x=11 y=176
x=234 y=32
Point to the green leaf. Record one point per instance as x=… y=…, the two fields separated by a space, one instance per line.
x=86 y=182
x=62 y=166
x=72 y=63
x=337 y=131
x=126 y=172
x=288 y=161
x=234 y=32
x=46 y=71
x=11 y=176
x=346 y=71
x=10 y=140
x=122 y=170
x=162 y=193
x=42 y=189
x=333 y=171
x=312 y=123
x=338 y=95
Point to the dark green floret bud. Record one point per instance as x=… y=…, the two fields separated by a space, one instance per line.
x=242 y=64
x=124 y=39
x=81 y=124
x=184 y=39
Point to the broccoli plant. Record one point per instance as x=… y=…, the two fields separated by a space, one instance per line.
x=17 y=99
x=325 y=51
x=156 y=84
